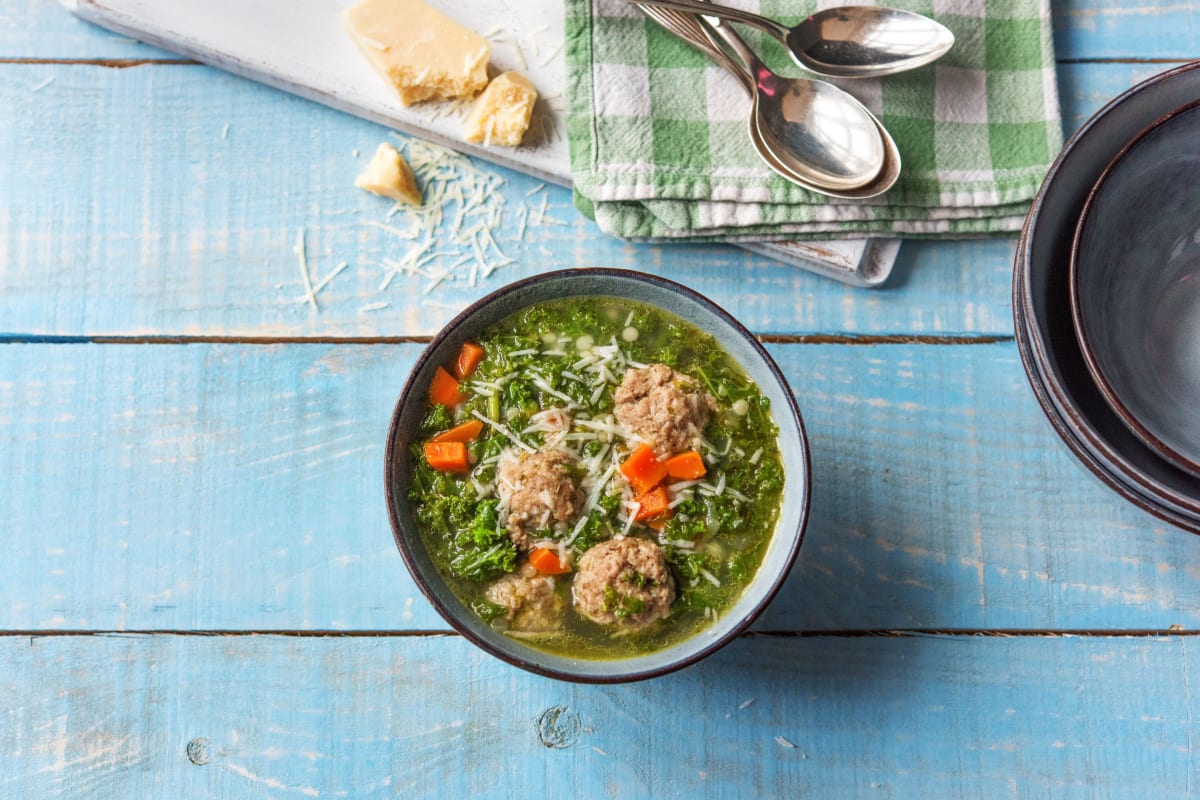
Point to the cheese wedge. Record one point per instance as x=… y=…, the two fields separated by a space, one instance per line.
x=501 y=114
x=423 y=53
x=388 y=175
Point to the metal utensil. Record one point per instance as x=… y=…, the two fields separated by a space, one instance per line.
x=844 y=42
x=818 y=130
x=691 y=29
x=889 y=173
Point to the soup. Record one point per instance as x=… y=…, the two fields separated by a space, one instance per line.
x=596 y=477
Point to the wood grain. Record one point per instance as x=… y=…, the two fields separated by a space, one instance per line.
x=239 y=487
x=265 y=716
x=1131 y=30
x=187 y=227
x=1128 y=30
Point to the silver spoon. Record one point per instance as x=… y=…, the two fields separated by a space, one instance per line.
x=821 y=132
x=690 y=28
x=845 y=42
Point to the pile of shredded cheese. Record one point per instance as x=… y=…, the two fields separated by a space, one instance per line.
x=451 y=238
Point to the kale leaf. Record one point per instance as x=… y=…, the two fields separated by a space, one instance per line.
x=483 y=550
x=437 y=419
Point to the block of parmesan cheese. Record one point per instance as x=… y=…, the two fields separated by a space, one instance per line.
x=388 y=175
x=501 y=114
x=418 y=49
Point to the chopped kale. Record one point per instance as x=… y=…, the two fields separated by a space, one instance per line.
x=483 y=549
x=486 y=610
x=769 y=476
x=620 y=605
x=438 y=418
x=694 y=592
x=636 y=578
x=594 y=531
x=742 y=564
x=688 y=522
x=521 y=395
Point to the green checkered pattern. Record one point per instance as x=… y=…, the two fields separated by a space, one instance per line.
x=659 y=147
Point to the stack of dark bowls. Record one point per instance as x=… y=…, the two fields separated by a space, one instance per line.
x=1106 y=295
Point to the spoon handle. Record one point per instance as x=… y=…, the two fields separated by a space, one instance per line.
x=691 y=29
x=724 y=12
x=758 y=71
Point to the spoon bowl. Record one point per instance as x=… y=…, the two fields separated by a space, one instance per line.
x=836 y=135
x=866 y=41
x=844 y=42
x=693 y=30
x=819 y=132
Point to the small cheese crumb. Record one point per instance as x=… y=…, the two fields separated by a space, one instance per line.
x=501 y=114
x=388 y=175
x=423 y=53
x=302 y=256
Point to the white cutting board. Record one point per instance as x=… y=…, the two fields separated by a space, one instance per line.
x=300 y=46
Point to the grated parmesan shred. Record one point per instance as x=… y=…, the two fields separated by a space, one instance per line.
x=302 y=255
x=504 y=431
x=463 y=205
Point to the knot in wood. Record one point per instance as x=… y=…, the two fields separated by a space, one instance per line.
x=559 y=727
x=197 y=751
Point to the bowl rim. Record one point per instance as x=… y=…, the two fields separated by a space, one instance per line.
x=1110 y=475
x=1108 y=389
x=1089 y=444
x=514 y=657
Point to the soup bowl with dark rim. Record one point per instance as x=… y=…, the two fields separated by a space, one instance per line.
x=647 y=654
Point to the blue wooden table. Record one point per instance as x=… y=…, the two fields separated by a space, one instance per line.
x=199 y=593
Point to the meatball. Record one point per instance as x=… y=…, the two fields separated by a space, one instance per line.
x=623 y=582
x=539 y=489
x=662 y=407
x=532 y=603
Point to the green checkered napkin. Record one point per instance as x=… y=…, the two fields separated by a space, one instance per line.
x=659 y=146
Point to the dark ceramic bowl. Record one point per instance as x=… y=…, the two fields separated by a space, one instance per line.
x=654 y=291
x=1135 y=286
x=1041 y=302
x=1062 y=423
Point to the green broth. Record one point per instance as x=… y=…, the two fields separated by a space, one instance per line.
x=535 y=360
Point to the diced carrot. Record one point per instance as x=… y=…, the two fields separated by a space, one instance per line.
x=547 y=562
x=464 y=432
x=642 y=469
x=443 y=389
x=447 y=456
x=469 y=356
x=654 y=504
x=686 y=466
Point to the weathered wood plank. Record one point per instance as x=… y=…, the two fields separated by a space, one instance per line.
x=240 y=487
x=1134 y=29
x=178 y=225
x=1131 y=29
x=44 y=29
x=262 y=716
x=184 y=226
